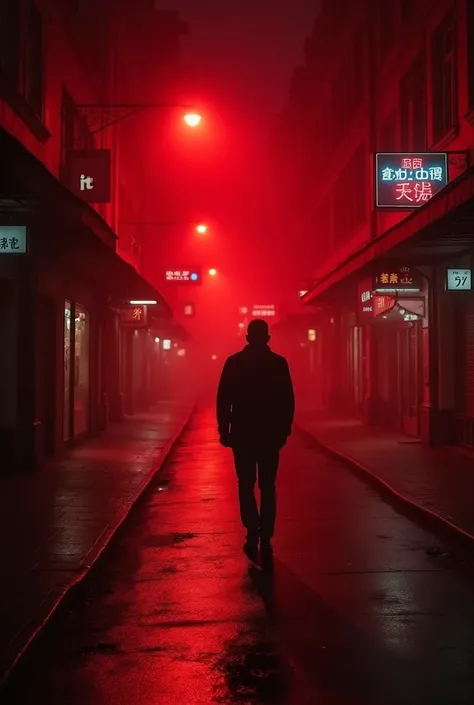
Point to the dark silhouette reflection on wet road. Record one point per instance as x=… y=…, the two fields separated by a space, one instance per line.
x=356 y=612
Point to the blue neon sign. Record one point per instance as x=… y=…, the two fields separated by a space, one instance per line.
x=409 y=180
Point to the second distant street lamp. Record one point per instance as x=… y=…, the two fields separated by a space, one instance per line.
x=199 y=227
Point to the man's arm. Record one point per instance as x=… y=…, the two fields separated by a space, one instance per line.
x=224 y=400
x=288 y=398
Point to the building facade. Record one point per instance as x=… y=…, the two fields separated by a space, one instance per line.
x=65 y=314
x=394 y=79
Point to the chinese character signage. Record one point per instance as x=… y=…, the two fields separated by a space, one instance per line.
x=409 y=180
x=264 y=311
x=382 y=304
x=458 y=279
x=13 y=240
x=89 y=174
x=184 y=276
x=393 y=278
x=133 y=316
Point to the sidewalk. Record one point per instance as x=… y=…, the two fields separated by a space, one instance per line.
x=438 y=483
x=56 y=523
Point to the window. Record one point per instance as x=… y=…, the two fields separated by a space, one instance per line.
x=470 y=51
x=350 y=196
x=387 y=25
x=360 y=179
x=34 y=60
x=406 y=10
x=388 y=137
x=413 y=107
x=10 y=42
x=76 y=133
x=443 y=69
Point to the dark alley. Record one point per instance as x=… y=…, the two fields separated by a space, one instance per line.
x=237 y=352
x=363 y=607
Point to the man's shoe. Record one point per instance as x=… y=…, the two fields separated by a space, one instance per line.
x=266 y=554
x=251 y=550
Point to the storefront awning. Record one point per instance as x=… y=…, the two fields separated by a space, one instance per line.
x=170 y=329
x=70 y=227
x=443 y=227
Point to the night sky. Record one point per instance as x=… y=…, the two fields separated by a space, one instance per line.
x=247 y=49
x=242 y=54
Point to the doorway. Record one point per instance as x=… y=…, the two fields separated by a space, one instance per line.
x=46 y=370
x=410 y=377
x=76 y=371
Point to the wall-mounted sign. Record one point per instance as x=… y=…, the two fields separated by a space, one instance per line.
x=365 y=302
x=13 y=240
x=133 y=316
x=382 y=304
x=459 y=279
x=184 y=276
x=264 y=311
x=409 y=180
x=397 y=279
x=88 y=174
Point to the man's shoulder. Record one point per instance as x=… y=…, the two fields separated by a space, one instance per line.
x=279 y=359
x=235 y=357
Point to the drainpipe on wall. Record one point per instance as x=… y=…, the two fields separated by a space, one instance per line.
x=372 y=402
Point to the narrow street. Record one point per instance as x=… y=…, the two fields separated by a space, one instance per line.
x=362 y=608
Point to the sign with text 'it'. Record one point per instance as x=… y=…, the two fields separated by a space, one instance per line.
x=409 y=180
x=13 y=240
x=89 y=174
x=133 y=316
x=184 y=276
x=264 y=311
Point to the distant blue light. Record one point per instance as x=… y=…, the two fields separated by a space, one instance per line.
x=194 y=277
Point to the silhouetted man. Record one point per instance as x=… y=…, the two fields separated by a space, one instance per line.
x=255 y=410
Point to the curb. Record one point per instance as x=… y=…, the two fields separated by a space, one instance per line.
x=423 y=515
x=74 y=585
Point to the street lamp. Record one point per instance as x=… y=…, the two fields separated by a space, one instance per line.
x=212 y=272
x=192 y=119
x=201 y=228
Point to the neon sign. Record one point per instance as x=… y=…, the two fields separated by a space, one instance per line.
x=401 y=279
x=409 y=180
x=192 y=276
x=262 y=311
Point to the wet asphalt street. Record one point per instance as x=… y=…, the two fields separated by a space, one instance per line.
x=358 y=610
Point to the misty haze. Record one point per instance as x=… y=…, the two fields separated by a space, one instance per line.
x=237 y=352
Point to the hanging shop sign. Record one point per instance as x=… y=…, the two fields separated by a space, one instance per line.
x=263 y=311
x=365 y=304
x=133 y=316
x=13 y=240
x=459 y=279
x=184 y=276
x=88 y=173
x=397 y=279
x=409 y=180
x=382 y=304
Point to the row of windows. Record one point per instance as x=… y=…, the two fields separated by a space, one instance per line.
x=21 y=51
x=343 y=210
x=413 y=107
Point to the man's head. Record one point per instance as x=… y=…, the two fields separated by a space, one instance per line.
x=257 y=332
